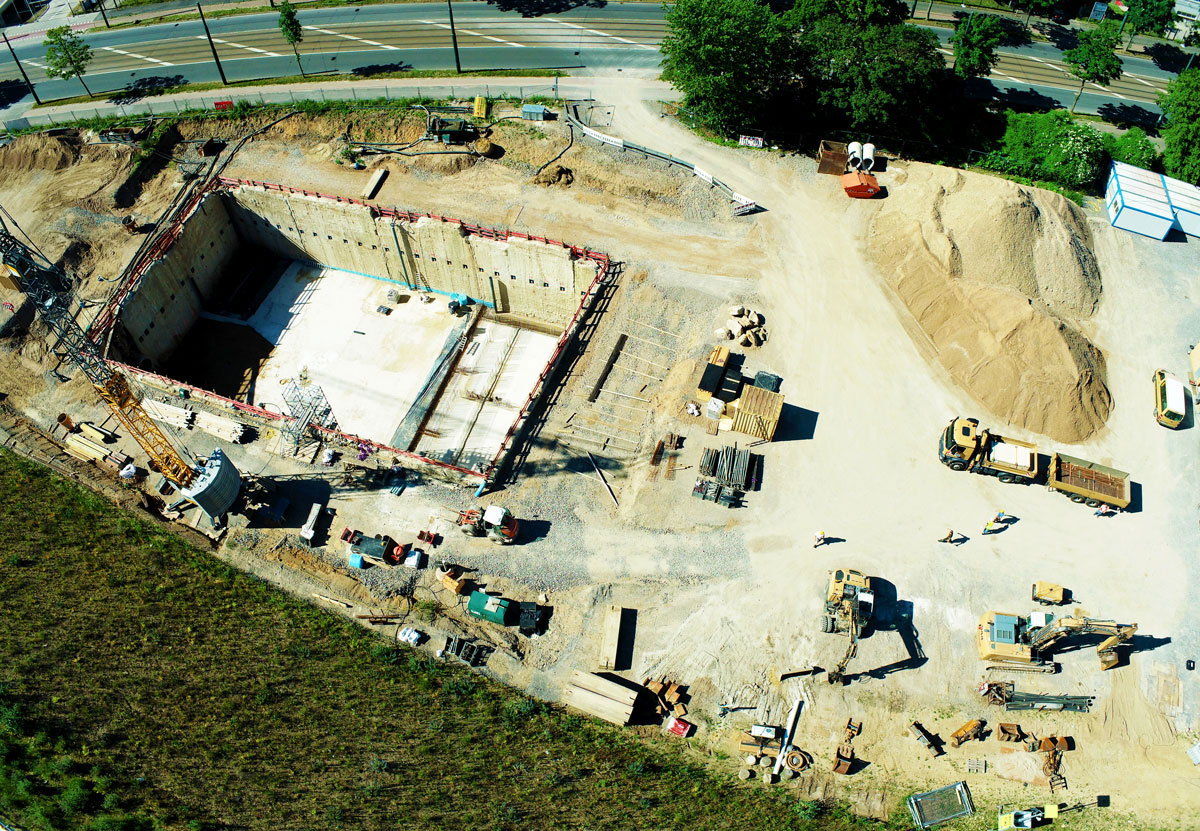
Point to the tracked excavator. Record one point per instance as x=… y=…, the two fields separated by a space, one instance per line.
x=1016 y=640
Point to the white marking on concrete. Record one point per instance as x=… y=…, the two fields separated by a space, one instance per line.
x=241 y=46
x=35 y=63
x=602 y=34
x=135 y=55
x=1008 y=77
x=352 y=37
x=1140 y=80
x=476 y=34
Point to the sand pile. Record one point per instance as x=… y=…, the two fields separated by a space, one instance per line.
x=998 y=277
x=37 y=152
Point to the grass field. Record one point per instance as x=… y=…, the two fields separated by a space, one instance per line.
x=145 y=684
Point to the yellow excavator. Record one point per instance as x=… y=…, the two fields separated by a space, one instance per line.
x=1027 y=641
x=849 y=603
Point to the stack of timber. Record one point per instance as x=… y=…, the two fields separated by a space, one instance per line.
x=600 y=697
x=219 y=426
x=81 y=447
x=168 y=414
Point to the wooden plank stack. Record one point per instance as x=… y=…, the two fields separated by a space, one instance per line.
x=219 y=426
x=668 y=695
x=600 y=697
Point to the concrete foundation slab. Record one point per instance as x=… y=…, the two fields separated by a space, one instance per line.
x=481 y=400
x=370 y=365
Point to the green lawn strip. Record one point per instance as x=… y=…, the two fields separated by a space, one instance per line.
x=195 y=695
x=302 y=81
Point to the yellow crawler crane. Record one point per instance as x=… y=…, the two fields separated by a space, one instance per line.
x=46 y=287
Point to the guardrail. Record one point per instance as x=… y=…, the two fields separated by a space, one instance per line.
x=741 y=204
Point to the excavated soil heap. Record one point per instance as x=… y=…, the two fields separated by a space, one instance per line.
x=998 y=277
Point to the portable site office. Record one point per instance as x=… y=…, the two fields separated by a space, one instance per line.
x=1149 y=203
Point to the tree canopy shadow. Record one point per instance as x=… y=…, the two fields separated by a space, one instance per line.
x=12 y=91
x=1127 y=114
x=380 y=69
x=1016 y=33
x=536 y=8
x=1063 y=37
x=141 y=88
x=1167 y=56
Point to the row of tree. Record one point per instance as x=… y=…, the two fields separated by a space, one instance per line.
x=856 y=65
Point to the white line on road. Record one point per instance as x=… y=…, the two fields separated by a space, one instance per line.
x=35 y=63
x=240 y=46
x=351 y=37
x=135 y=55
x=602 y=34
x=476 y=34
x=1141 y=80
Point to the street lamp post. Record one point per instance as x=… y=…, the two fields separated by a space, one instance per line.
x=454 y=37
x=28 y=83
x=212 y=46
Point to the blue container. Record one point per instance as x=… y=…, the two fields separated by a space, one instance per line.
x=356 y=561
x=533 y=112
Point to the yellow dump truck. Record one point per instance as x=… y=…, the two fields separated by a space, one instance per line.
x=963 y=446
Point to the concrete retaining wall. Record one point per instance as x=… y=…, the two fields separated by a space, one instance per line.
x=520 y=277
x=174 y=289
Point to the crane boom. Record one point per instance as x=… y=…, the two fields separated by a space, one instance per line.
x=40 y=284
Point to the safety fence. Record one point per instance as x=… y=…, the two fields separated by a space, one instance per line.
x=741 y=204
x=408 y=459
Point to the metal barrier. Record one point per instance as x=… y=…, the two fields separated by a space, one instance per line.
x=742 y=204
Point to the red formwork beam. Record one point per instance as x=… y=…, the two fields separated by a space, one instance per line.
x=270 y=415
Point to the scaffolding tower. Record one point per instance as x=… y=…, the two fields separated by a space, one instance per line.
x=307 y=402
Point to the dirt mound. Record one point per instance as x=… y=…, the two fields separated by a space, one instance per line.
x=38 y=152
x=555 y=174
x=997 y=276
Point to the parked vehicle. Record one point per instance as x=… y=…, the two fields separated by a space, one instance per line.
x=1088 y=482
x=1170 y=399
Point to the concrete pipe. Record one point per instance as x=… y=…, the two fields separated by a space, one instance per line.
x=855 y=151
x=868 y=156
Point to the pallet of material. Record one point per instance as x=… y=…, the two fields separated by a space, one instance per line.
x=752 y=746
x=600 y=697
x=609 y=638
x=168 y=414
x=222 y=428
x=81 y=447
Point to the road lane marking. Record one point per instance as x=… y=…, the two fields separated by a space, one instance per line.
x=476 y=34
x=602 y=34
x=1142 y=81
x=136 y=55
x=35 y=63
x=240 y=46
x=351 y=37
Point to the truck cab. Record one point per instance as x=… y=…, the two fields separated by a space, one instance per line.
x=959 y=443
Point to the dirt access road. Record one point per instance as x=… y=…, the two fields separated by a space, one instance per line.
x=870 y=475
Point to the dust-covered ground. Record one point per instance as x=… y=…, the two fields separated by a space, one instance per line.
x=728 y=600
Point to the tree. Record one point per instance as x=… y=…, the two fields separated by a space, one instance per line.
x=975 y=40
x=1180 y=104
x=729 y=58
x=67 y=56
x=1152 y=16
x=859 y=13
x=289 y=26
x=882 y=78
x=1132 y=147
x=1093 y=60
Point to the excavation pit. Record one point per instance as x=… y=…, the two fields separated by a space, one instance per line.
x=427 y=336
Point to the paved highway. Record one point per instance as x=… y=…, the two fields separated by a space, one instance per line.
x=417 y=36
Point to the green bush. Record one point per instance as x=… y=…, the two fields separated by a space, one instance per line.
x=1050 y=146
x=1132 y=147
x=75 y=797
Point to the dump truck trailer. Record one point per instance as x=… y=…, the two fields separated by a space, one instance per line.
x=963 y=446
x=1088 y=482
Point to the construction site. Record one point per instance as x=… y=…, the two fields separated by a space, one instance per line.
x=863 y=498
